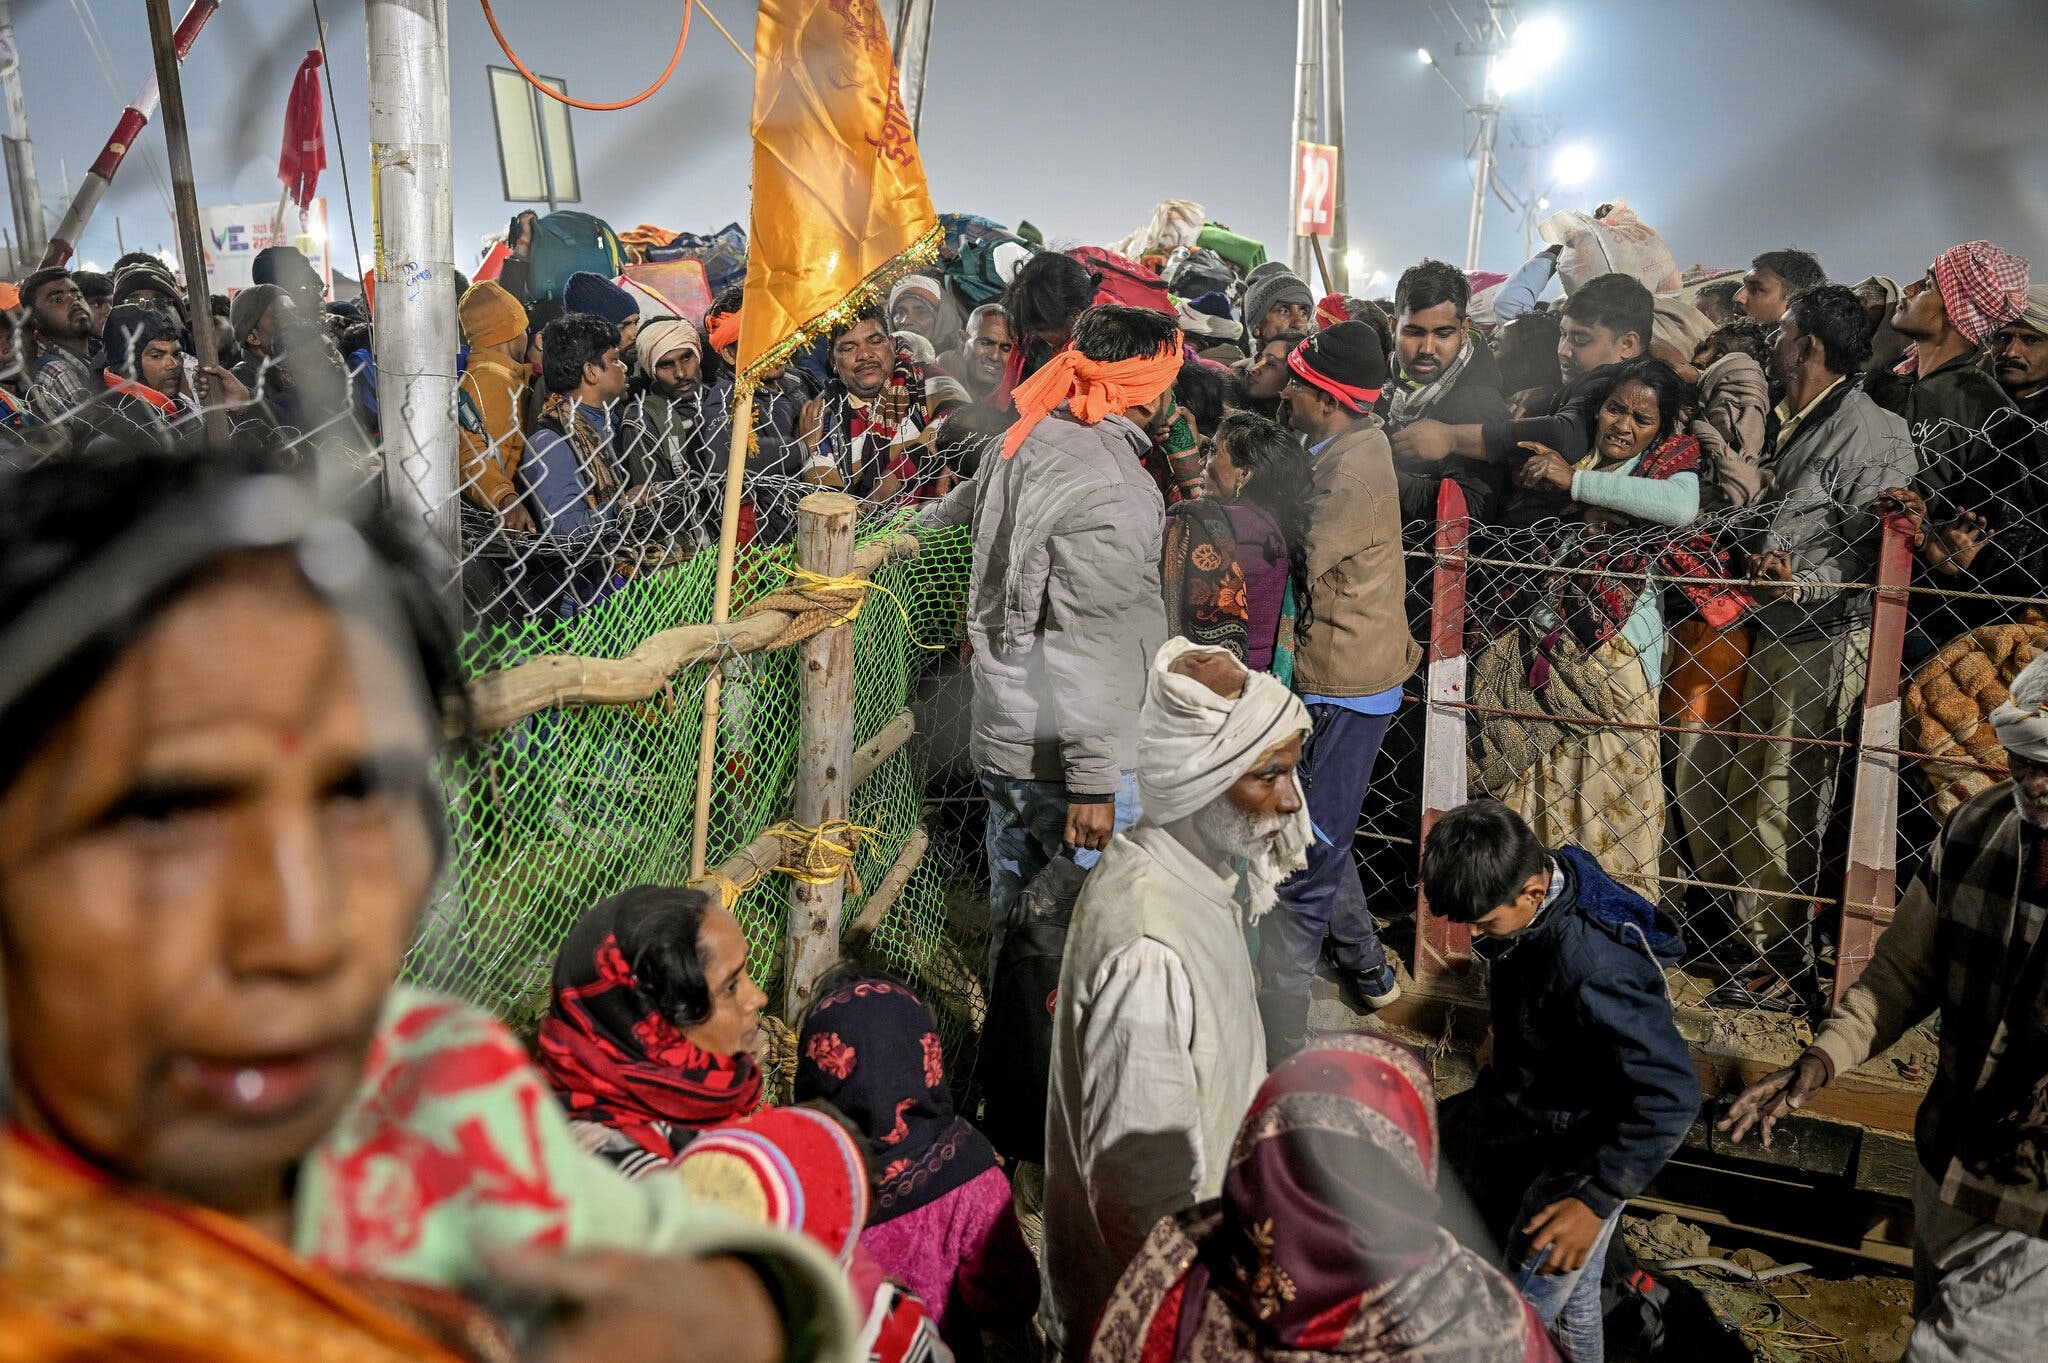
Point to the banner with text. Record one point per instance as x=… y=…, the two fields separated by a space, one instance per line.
x=233 y=234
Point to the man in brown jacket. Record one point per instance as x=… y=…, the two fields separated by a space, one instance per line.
x=1348 y=667
x=488 y=401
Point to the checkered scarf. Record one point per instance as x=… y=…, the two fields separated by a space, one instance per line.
x=1983 y=287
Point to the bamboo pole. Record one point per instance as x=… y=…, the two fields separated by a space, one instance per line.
x=721 y=609
x=503 y=698
x=766 y=852
x=824 y=760
x=191 y=253
x=885 y=894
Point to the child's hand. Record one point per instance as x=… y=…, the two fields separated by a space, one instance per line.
x=1567 y=1228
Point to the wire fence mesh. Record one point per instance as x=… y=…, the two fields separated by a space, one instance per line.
x=1768 y=765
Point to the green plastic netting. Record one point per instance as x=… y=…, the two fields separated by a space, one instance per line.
x=573 y=804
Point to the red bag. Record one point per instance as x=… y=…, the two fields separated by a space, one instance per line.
x=1124 y=281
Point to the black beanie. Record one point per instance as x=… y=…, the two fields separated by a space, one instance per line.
x=130 y=328
x=1350 y=355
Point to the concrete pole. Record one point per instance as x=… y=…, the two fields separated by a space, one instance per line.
x=23 y=187
x=415 y=259
x=1333 y=132
x=1308 y=99
x=913 y=45
x=824 y=760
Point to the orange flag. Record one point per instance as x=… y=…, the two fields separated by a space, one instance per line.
x=840 y=201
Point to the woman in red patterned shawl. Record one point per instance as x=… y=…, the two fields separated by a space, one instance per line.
x=1326 y=1242
x=650 y=1036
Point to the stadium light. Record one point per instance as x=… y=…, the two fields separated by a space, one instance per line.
x=1574 y=164
x=1422 y=55
x=1535 y=47
x=1354 y=264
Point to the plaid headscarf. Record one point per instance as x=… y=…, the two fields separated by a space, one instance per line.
x=1982 y=287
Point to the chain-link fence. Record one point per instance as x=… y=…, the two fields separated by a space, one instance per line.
x=1764 y=749
x=1768 y=761
x=583 y=535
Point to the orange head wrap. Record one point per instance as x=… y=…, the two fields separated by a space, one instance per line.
x=724 y=328
x=1094 y=389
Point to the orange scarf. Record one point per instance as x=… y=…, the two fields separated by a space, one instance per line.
x=1093 y=389
x=95 y=1270
x=724 y=328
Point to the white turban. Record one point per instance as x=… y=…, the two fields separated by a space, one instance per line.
x=660 y=337
x=2022 y=722
x=1195 y=744
x=2035 y=314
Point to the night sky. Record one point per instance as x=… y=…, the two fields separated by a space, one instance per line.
x=1874 y=132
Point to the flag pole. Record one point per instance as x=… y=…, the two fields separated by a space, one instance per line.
x=721 y=608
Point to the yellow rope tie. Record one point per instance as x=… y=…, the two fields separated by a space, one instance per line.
x=823 y=854
x=729 y=890
x=804 y=581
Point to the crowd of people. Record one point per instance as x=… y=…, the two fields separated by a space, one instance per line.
x=1200 y=501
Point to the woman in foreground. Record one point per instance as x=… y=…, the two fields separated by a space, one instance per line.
x=217 y=831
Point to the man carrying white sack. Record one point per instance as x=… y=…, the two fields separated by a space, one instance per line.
x=1157 y=1049
x=1967 y=940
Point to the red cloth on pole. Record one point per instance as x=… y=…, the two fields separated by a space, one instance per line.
x=304 y=154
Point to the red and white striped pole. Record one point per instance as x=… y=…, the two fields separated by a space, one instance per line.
x=133 y=120
x=1870 y=888
x=1440 y=944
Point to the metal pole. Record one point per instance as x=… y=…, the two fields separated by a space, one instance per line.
x=22 y=185
x=1307 y=110
x=1482 y=182
x=913 y=45
x=1333 y=132
x=133 y=119
x=824 y=759
x=547 y=155
x=414 y=236
x=1441 y=945
x=191 y=251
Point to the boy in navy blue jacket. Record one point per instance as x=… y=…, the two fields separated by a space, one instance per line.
x=1590 y=1088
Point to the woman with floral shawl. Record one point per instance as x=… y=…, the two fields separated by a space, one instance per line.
x=1326 y=1243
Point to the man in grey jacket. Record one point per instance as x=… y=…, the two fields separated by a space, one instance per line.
x=1064 y=608
x=1768 y=805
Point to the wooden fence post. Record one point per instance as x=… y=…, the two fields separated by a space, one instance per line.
x=824 y=763
x=1870 y=889
x=1441 y=945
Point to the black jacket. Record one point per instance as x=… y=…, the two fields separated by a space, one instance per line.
x=1584 y=1047
x=1475 y=400
x=1566 y=428
x=1977 y=454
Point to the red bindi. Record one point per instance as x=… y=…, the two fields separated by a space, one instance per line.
x=289 y=741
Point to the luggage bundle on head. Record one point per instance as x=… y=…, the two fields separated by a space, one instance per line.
x=1124 y=281
x=565 y=243
x=1247 y=255
x=723 y=255
x=1016 y=1036
x=979 y=258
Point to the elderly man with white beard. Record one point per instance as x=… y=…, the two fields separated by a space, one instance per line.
x=1966 y=940
x=1157 y=1048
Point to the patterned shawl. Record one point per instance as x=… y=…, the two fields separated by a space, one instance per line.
x=1596 y=598
x=1325 y=1243
x=591 y=441
x=871 y=1049
x=612 y=1058
x=1202 y=577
